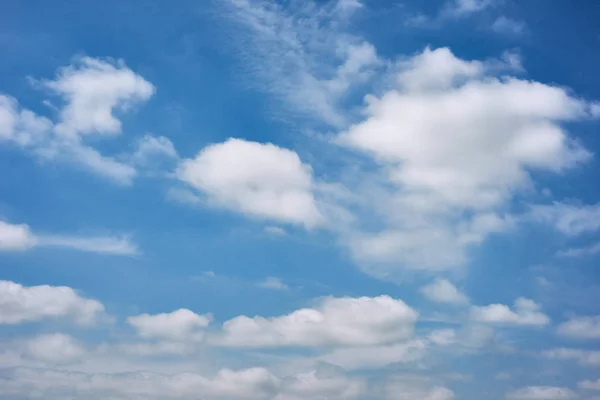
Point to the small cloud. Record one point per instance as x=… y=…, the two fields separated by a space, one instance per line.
x=275 y=230
x=273 y=283
x=508 y=26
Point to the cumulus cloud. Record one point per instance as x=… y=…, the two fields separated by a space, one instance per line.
x=542 y=393
x=94 y=92
x=182 y=324
x=508 y=26
x=581 y=328
x=443 y=291
x=55 y=348
x=260 y=180
x=334 y=322
x=412 y=387
x=247 y=384
x=455 y=144
x=590 y=385
x=526 y=312
x=583 y=357
x=273 y=283
x=20 y=304
x=15 y=237
x=373 y=357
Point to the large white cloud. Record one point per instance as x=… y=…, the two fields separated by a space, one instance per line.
x=581 y=328
x=334 y=322
x=19 y=304
x=182 y=324
x=455 y=144
x=526 y=312
x=583 y=357
x=542 y=393
x=260 y=180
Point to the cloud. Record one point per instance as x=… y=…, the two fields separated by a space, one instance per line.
x=273 y=283
x=461 y=8
x=182 y=324
x=508 y=26
x=373 y=357
x=151 y=150
x=583 y=357
x=581 y=251
x=453 y=148
x=55 y=348
x=259 y=180
x=19 y=237
x=226 y=384
x=581 y=328
x=93 y=91
x=329 y=62
x=569 y=219
x=542 y=393
x=526 y=312
x=20 y=304
x=443 y=291
x=412 y=387
x=589 y=385
x=16 y=237
x=334 y=322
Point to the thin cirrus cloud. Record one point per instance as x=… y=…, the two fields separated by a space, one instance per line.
x=19 y=237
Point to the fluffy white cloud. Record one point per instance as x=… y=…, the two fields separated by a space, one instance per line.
x=455 y=145
x=569 y=219
x=413 y=387
x=334 y=322
x=252 y=383
x=260 y=180
x=581 y=328
x=56 y=348
x=353 y=358
x=16 y=237
x=443 y=291
x=93 y=89
x=443 y=337
x=178 y=325
x=583 y=357
x=458 y=8
x=19 y=304
x=542 y=393
x=508 y=26
x=590 y=385
x=526 y=312
x=20 y=237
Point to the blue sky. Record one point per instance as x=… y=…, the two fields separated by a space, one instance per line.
x=241 y=199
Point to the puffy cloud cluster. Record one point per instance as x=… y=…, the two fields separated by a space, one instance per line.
x=526 y=312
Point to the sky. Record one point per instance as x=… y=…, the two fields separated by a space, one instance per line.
x=285 y=200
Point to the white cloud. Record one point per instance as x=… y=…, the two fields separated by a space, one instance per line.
x=542 y=393
x=19 y=304
x=273 y=283
x=323 y=383
x=454 y=148
x=508 y=26
x=581 y=251
x=443 y=291
x=178 y=325
x=260 y=180
x=20 y=237
x=581 y=328
x=460 y=8
x=443 y=337
x=583 y=357
x=56 y=348
x=16 y=237
x=334 y=322
x=372 y=357
x=569 y=219
x=589 y=385
x=413 y=387
x=275 y=230
x=115 y=245
x=93 y=89
x=152 y=149
x=526 y=312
